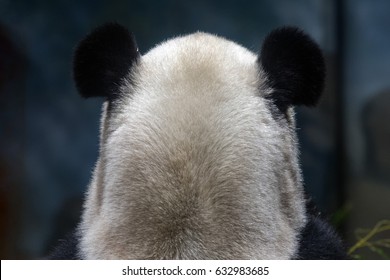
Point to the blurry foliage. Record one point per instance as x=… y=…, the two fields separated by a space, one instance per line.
x=376 y=239
x=371 y=243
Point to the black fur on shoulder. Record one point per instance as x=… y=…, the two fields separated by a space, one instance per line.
x=318 y=240
x=102 y=59
x=66 y=249
x=294 y=66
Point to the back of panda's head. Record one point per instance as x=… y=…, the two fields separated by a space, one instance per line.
x=198 y=156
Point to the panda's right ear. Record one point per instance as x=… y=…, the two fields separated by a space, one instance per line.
x=294 y=66
x=102 y=59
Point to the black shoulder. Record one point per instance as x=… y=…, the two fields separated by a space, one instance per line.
x=319 y=241
x=67 y=249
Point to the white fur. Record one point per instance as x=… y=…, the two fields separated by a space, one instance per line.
x=192 y=164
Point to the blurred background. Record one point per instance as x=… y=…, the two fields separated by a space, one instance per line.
x=49 y=135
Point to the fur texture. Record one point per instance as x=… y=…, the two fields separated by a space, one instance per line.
x=318 y=241
x=193 y=163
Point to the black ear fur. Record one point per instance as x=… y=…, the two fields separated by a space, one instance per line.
x=102 y=59
x=294 y=66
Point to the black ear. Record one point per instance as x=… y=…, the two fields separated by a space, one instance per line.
x=294 y=66
x=102 y=59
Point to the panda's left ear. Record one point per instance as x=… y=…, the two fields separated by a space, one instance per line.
x=294 y=67
x=103 y=59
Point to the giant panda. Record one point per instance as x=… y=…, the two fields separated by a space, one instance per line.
x=198 y=151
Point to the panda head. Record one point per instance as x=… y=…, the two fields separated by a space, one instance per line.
x=198 y=153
